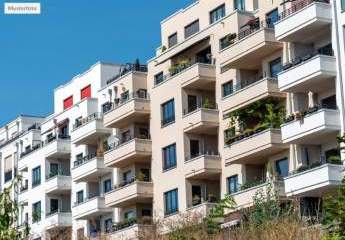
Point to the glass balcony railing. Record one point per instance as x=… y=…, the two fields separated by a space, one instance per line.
x=129 y=67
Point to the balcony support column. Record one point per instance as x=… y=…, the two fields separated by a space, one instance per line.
x=311 y=99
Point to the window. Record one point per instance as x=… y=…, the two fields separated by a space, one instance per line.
x=129 y=215
x=282 y=167
x=127 y=177
x=232 y=184
x=171 y=202
x=239 y=5
x=125 y=96
x=275 y=67
x=169 y=157
x=36 y=212
x=146 y=212
x=191 y=29
x=194 y=148
x=108 y=224
x=192 y=103
x=159 y=78
x=8 y=168
x=54 y=169
x=217 y=14
x=85 y=92
x=172 y=40
x=68 y=102
x=168 y=112
x=80 y=196
x=36 y=176
x=227 y=88
x=329 y=102
x=272 y=17
x=54 y=205
x=107 y=185
x=342 y=5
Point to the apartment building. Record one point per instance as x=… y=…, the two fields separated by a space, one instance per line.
x=241 y=96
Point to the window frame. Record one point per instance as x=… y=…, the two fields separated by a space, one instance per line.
x=222 y=14
x=243 y=5
x=105 y=185
x=230 y=184
x=36 y=182
x=223 y=88
x=271 y=64
x=169 y=163
x=188 y=33
x=36 y=212
x=159 y=78
x=170 y=45
x=169 y=200
x=171 y=118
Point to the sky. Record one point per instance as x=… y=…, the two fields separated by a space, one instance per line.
x=40 y=52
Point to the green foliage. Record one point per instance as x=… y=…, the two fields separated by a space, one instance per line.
x=268 y=112
x=217 y=213
x=266 y=208
x=9 y=214
x=334 y=212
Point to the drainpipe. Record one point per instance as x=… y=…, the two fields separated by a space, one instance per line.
x=339 y=79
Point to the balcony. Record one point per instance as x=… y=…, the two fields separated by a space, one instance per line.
x=127 y=69
x=249 y=46
x=200 y=211
x=135 y=108
x=23 y=195
x=58 y=220
x=128 y=151
x=313 y=127
x=90 y=208
x=247 y=94
x=314 y=182
x=89 y=130
x=254 y=149
x=203 y=166
x=201 y=121
x=244 y=198
x=89 y=168
x=58 y=184
x=199 y=76
x=130 y=229
x=303 y=21
x=58 y=147
x=130 y=193
x=313 y=73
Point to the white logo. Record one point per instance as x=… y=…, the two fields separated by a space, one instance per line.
x=22 y=8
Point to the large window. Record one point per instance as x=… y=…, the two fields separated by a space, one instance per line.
x=171 y=202
x=282 y=167
x=68 y=102
x=159 y=77
x=172 y=40
x=80 y=196
x=232 y=184
x=191 y=29
x=169 y=157
x=275 y=67
x=168 y=112
x=36 y=176
x=107 y=185
x=217 y=14
x=272 y=17
x=239 y=5
x=227 y=88
x=36 y=212
x=108 y=223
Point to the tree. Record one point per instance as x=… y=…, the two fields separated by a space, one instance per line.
x=9 y=214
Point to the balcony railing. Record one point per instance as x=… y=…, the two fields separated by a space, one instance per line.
x=129 y=67
x=327 y=51
x=88 y=198
x=86 y=120
x=83 y=160
x=252 y=26
x=178 y=68
x=56 y=174
x=309 y=111
x=200 y=105
x=51 y=213
x=132 y=180
x=321 y=162
x=298 y=5
x=109 y=106
x=127 y=139
x=49 y=140
x=130 y=222
x=17 y=135
x=207 y=152
x=24 y=188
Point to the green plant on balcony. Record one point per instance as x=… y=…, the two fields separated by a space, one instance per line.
x=164 y=48
x=259 y=116
x=207 y=104
x=179 y=66
x=335 y=159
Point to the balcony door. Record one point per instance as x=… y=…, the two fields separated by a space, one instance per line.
x=204 y=56
x=192 y=103
x=54 y=205
x=196 y=195
x=194 y=148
